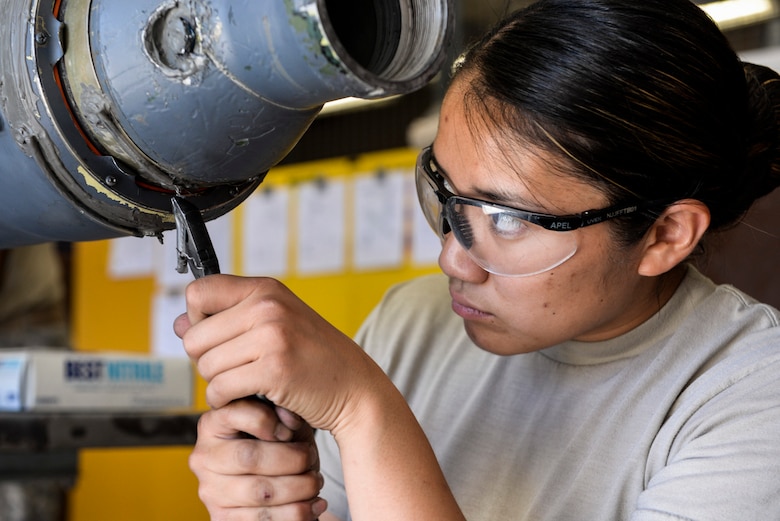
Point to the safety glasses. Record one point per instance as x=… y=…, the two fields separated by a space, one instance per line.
x=504 y=240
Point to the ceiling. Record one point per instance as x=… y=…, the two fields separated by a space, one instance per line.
x=475 y=16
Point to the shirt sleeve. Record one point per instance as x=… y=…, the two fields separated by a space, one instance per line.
x=723 y=463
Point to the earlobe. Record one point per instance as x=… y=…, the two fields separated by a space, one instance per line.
x=673 y=237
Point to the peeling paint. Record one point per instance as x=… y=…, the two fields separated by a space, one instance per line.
x=96 y=185
x=307 y=19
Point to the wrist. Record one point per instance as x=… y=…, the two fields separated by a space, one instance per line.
x=390 y=470
x=371 y=409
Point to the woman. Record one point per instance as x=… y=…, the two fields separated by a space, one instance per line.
x=585 y=148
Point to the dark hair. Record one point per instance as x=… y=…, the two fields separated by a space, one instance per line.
x=646 y=97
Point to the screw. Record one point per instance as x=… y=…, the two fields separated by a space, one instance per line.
x=111 y=180
x=41 y=38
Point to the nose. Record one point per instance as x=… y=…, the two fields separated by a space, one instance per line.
x=456 y=263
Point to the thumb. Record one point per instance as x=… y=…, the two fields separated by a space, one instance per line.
x=181 y=325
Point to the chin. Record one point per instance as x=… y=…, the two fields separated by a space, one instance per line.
x=502 y=344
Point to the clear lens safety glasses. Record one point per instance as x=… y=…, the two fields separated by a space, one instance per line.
x=504 y=240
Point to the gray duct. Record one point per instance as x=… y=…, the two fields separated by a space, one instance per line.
x=109 y=107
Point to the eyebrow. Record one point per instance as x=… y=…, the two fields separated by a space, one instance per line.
x=505 y=199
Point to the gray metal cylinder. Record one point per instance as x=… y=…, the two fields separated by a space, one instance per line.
x=107 y=108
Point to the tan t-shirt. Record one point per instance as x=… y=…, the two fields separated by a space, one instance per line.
x=679 y=419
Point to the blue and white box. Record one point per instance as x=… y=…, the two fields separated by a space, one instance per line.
x=64 y=380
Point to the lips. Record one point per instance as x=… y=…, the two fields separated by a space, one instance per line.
x=464 y=309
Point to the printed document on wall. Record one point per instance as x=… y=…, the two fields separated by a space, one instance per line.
x=166 y=306
x=379 y=220
x=321 y=226
x=131 y=257
x=426 y=245
x=266 y=232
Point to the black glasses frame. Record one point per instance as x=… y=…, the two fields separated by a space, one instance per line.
x=559 y=223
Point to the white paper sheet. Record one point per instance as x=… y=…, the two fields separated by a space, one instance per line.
x=131 y=257
x=379 y=220
x=321 y=226
x=426 y=245
x=166 y=306
x=266 y=232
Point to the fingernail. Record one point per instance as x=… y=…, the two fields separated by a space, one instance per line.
x=319 y=507
x=282 y=433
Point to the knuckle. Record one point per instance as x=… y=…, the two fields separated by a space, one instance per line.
x=205 y=366
x=204 y=494
x=248 y=456
x=297 y=458
x=214 y=502
x=268 y=300
x=216 y=390
x=264 y=492
x=311 y=484
x=206 y=423
x=195 y=461
x=194 y=291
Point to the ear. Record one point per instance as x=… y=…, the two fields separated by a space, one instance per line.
x=673 y=237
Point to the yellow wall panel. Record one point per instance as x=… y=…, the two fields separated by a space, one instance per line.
x=148 y=484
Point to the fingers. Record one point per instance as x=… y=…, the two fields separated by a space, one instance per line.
x=259 y=491
x=237 y=457
x=216 y=293
x=239 y=345
x=223 y=447
x=302 y=511
x=234 y=383
x=253 y=417
x=290 y=420
x=256 y=478
x=210 y=295
x=223 y=309
x=252 y=337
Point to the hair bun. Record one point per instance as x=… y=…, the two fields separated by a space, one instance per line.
x=762 y=172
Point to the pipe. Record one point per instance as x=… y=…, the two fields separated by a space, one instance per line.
x=108 y=108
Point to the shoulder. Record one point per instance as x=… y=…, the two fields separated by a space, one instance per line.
x=735 y=341
x=725 y=309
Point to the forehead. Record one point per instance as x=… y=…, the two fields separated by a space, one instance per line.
x=482 y=159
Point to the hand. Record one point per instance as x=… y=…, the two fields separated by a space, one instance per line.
x=256 y=463
x=253 y=336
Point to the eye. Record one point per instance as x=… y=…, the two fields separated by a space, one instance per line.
x=508 y=226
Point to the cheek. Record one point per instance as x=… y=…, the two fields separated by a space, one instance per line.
x=543 y=310
x=562 y=289
x=580 y=295
x=556 y=308
x=567 y=300
x=544 y=313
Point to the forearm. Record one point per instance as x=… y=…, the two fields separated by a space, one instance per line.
x=390 y=470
